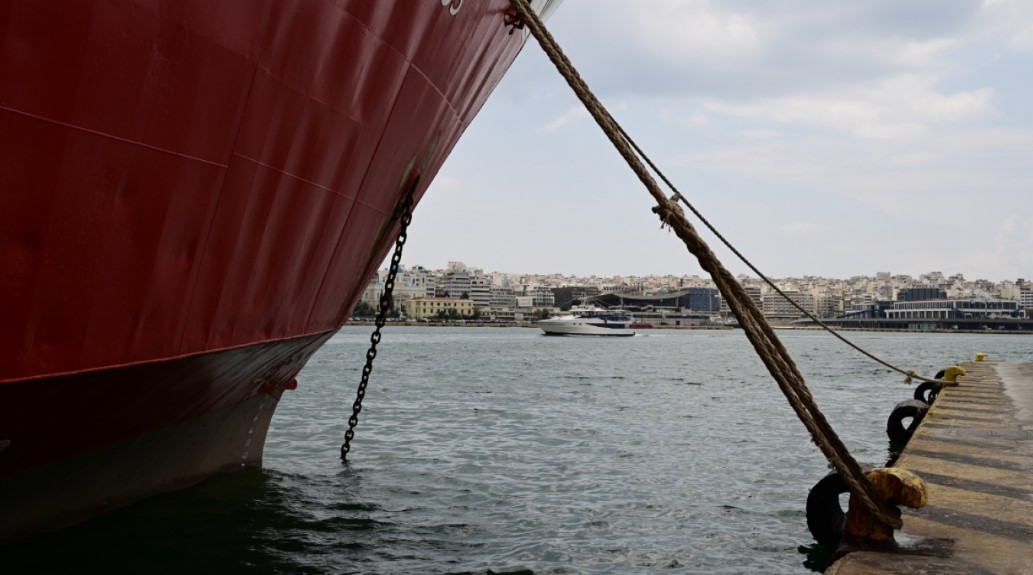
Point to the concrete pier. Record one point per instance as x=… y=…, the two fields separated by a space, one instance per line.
x=974 y=450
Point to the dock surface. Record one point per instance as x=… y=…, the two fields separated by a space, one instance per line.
x=974 y=450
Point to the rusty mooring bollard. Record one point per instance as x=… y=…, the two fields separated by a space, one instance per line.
x=897 y=487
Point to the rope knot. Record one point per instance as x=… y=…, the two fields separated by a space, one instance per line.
x=669 y=209
x=910 y=377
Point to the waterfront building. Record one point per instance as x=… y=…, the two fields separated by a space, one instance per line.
x=756 y=295
x=374 y=289
x=480 y=292
x=872 y=310
x=455 y=284
x=753 y=291
x=706 y=300
x=502 y=297
x=777 y=306
x=954 y=309
x=431 y=307
x=702 y=299
x=564 y=296
x=541 y=296
x=503 y=303
x=858 y=295
x=411 y=283
x=828 y=305
x=921 y=293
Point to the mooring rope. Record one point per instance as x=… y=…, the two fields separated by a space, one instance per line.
x=909 y=373
x=760 y=334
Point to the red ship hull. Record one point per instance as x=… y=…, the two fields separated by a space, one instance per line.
x=193 y=196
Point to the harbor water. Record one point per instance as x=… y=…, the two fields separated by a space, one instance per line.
x=500 y=450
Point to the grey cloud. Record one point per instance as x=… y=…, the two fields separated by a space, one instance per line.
x=799 y=45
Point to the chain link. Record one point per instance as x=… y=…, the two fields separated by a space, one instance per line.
x=385 y=305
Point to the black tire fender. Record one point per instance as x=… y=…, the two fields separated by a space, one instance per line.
x=927 y=392
x=825 y=516
x=895 y=428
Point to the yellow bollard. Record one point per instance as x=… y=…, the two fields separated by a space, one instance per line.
x=950 y=375
x=896 y=486
x=980 y=357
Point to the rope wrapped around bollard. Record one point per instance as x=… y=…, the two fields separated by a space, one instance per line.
x=771 y=351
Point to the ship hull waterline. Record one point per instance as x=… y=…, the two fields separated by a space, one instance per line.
x=137 y=456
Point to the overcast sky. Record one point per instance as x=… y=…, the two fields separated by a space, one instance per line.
x=833 y=138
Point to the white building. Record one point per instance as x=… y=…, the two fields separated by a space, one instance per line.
x=455 y=284
x=953 y=309
x=480 y=292
x=542 y=296
x=776 y=305
x=374 y=289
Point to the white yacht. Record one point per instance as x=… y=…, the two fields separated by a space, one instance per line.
x=589 y=320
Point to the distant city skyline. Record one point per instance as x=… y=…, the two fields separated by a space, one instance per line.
x=701 y=274
x=822 y=139
x=930 y=278
x=501 y=294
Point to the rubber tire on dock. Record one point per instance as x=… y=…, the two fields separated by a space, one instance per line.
x=825 y=516
x=927 y=392
x=912 y=408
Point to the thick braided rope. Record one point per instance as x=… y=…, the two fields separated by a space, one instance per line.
x=760 y=334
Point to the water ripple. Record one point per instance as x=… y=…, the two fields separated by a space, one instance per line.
x=500 y=451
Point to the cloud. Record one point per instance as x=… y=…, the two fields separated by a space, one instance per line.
x=739 y=49
x=1022 y=40
x=697 y=119
x=447 y=182
x=880 y=130
x=1011 y=19
x=569 y=116
x=696 y=31
x=899 y=106
x=1016 y=230
x=1009 y=255
x=749 y=135
x=797 y=228
x=930 y=178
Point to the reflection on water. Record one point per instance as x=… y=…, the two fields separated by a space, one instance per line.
x=500 y=450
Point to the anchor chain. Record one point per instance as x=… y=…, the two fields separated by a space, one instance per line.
x=385 y=304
